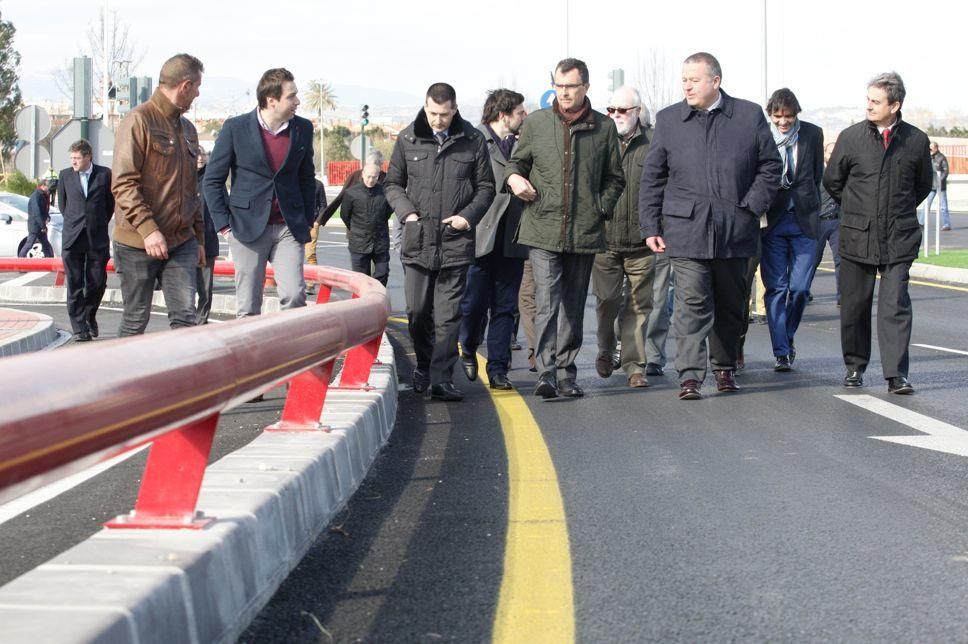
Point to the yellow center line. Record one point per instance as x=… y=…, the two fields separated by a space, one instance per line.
x=536 y=603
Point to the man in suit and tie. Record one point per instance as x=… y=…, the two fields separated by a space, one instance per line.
x=267 y=217
x=87 y=204
x=792 y=224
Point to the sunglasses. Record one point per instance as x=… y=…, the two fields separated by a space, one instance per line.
x=620 y=110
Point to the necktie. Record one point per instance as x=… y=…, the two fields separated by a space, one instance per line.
x=886 y=134
x=789 y=165
x=441 y=137
x=84 y=179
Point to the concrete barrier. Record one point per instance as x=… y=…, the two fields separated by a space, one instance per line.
x=272 y=499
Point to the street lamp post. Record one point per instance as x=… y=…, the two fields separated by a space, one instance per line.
x=322 y=134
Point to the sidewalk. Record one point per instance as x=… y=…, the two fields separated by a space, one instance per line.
x=23 y=331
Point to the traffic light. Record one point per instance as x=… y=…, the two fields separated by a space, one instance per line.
x=365 y=115
x=616 y=78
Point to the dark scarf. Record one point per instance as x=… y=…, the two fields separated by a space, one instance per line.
x=570 y=118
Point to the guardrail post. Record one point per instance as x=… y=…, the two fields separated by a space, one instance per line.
x=323 y=294
x=172 y=480
x=59 y=278
x=304 y=403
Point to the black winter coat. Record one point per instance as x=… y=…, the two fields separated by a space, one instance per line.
x=365 y=212
x=38 y=211
x=436 y=182
x=879 y=191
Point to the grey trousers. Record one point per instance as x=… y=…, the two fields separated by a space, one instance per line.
x=204 y=283
x=661 y=316
x=526 y=305
x=709 y=305
x=895 y=316
x=277 y=246
x=561 y=285
x=433 y=312
x=608 y=274
x=139 y=272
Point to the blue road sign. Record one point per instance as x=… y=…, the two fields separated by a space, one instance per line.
x=547 y=98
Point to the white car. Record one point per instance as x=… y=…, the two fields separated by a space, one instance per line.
x=13 y=227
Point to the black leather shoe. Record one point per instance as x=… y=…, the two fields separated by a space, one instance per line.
x=726 y=380
x=689 y=390
x=469 y=362
x=447 y=392
x=568 y=387
x=783 y=363
x=854 y=379
x=546 y=387
x=421 y=380
x=740 y=360
x=92 y=325
x=83 y=336
x=652 y=369
x=500 y=381
x=899 y=385
x=793 y=353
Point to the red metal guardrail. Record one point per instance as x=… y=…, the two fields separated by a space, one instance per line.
x=65 y=410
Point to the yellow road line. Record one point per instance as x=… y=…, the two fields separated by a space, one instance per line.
x=948 y=287
x=400 y=320
x=536 y=603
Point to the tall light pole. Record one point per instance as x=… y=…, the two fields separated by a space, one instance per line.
x=106 y=67
x=322 y=135
x=766 y=89
x=567 y=52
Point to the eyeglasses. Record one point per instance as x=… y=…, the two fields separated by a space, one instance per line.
x=573 y=86
x=620 y=110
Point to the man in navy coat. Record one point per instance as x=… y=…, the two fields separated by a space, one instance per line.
x=270 y=210
x=711 y=174
x=87 y=204
x=38 y=215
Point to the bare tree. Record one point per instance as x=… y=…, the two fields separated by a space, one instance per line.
x=124 y=56
x=656 y=80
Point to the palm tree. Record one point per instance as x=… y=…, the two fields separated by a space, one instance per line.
x=321 y=97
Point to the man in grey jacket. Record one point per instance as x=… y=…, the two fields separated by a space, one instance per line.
x=440 y=184
x=712 y=171
x=494 y=278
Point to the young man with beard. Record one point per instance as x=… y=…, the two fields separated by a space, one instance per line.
x=495 y=276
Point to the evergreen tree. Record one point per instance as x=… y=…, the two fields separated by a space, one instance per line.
x=10 y=98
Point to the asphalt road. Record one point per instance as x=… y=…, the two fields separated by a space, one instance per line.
x=767 y=515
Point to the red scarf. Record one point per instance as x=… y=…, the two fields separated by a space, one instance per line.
x=570 y=117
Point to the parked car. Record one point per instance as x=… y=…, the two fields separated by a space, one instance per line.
x=13 y=227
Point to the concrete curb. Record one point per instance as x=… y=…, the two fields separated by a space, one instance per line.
x=939 y=273
x=24 y=335
x=272 y=498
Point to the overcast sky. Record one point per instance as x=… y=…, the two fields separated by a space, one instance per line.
x=826 y=55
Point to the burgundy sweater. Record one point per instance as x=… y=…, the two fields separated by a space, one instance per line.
x=276 y=147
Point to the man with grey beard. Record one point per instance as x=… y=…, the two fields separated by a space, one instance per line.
x=627 y=255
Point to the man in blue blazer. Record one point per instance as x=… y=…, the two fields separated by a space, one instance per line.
x=271 y=208
x=712 y=172
x=793 y=224
x=87 y=204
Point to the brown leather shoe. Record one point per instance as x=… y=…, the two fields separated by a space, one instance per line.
x=689 y=390
x=603 y=365
x=638 y=381
x=726 y=380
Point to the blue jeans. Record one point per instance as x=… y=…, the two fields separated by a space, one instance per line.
x=942 y=204
x=787 y=264
x=138 y=274
x=492 y=286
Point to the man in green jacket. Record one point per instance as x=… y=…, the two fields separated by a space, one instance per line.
x=567 y=167
x=627 y=255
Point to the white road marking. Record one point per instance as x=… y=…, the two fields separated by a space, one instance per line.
x=941 y=437
x=26 y=278
x=931 y=346
x=41 y=495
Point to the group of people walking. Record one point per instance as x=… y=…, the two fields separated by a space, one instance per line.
x=559 y=200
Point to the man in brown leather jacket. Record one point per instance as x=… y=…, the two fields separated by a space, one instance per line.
x=160 y=231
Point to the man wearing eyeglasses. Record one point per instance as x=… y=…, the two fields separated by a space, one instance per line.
x=567 y=168
x=712 y=172
x=627 y=255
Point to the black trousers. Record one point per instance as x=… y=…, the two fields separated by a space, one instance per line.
x=375 y=265
x=433 y=312
x=894 y=315
x=709 y=305
x=86 y=276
